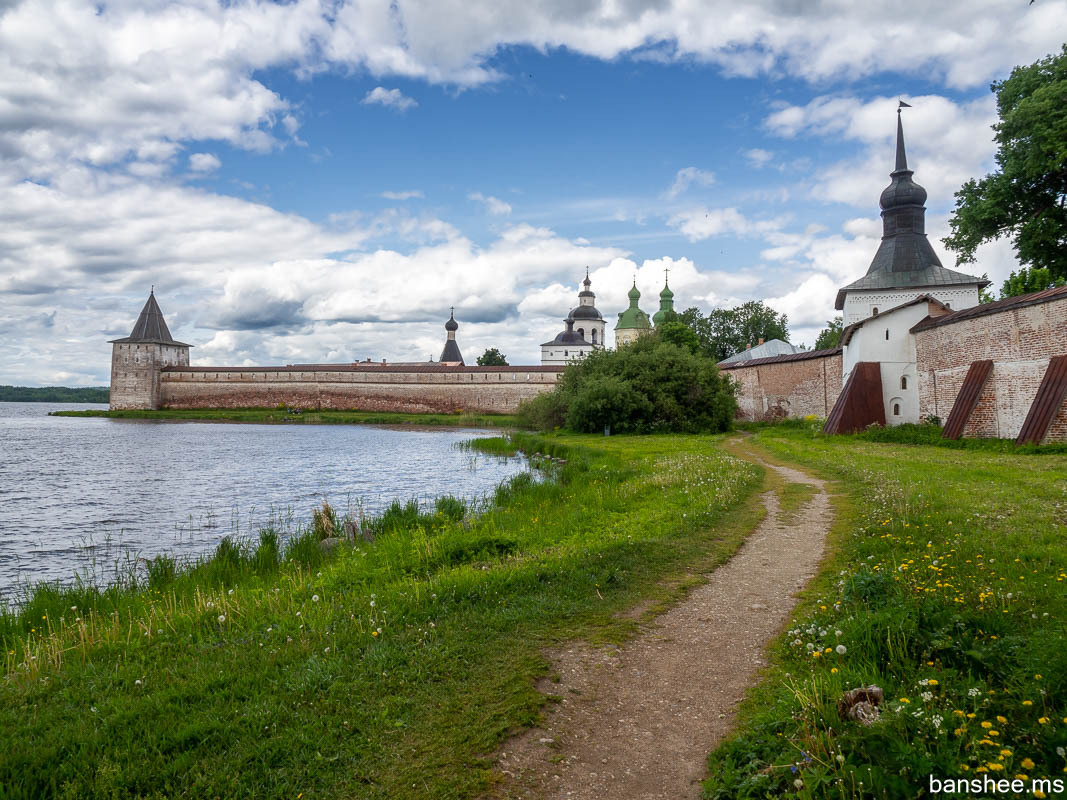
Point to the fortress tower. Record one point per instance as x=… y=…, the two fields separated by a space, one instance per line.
x=137 y=359
x=451 y=356
x=584 y=331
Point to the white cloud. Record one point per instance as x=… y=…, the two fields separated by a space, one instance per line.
x=758 y=157
x=494 y=205
x=390 y=98
x=702 y=223
x=689 y=176
x=410 y=194
x=204 y=163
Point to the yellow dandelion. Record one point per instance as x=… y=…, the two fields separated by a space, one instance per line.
x=1028 y=702
x=987 y=724
x=932 y=682
x=1043 y=720
x=993 y=765
x=1028 y=763
x=904 y=700
x=1007 y=752
x=1001 y=720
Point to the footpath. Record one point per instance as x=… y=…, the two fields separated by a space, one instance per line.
x=637 y=722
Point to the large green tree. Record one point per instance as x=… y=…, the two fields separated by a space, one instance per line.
x=830 y=336
x=726 y=331
x=1024 y=198
x=1029 y=280
x=492 y=358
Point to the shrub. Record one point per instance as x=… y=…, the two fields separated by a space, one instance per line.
x=607 y=401
x=544 y=412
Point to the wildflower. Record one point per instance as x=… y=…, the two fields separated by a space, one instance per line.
x=222 y=617
x=1037 y=677
x=1028 y=702
x=372 y=604
x=137 y=682
x=798 y=783
x=1002 y=720
x=1006 y=752
x=230 y=592
x=841 y=649
x=833 y=671
x=1028 y=763
x=993 y=765
x=374 y=633
x=904 y=700
x=327 y=650
x=1043 y=720
x=987 y=724
x=314 y=598
x=840 y=758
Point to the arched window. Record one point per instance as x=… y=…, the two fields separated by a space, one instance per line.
x=896 y=409
x=874 y=310
x=594 y=335
x=887 y=334
x=581 y=332
x=903 y=381
x=564 y=353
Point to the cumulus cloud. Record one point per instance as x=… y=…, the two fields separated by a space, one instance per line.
x=390 y=98
x=410 y=194
x=689 y=176
x=494 y=205
x=702 y=223
x=204 y=163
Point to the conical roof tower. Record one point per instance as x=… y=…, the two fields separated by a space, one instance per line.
x=451 y=352
x=150 y=327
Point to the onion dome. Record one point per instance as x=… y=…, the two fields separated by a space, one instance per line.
x=666 y=305
x=451 y=326
x=633 y=317
x=586 y=286
x=584 y=312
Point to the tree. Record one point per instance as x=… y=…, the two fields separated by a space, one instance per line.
x=830 y=336
x=492 y=358
x=724 y=332
x=1024 y=198
x=1029 y=280
x=678 y=333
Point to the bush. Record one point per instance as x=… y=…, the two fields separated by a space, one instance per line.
x=649 y=385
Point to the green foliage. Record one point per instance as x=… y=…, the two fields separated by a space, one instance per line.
x=1024 y=198
x=492 y=358
x=1025 y=281
x=543 y=412
x=53 y=394
x=650 y=385
x=943 y=587
x=724 y=332
x=679 y=334
x=830 y=336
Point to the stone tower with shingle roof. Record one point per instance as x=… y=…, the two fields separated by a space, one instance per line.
x=137 y=359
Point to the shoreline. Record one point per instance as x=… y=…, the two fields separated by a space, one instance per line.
x=282 y=416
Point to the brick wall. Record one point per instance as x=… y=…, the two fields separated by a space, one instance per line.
x=776 y=388
x=1020 y=341
x=438 y=389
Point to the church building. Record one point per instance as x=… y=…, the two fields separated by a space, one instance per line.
x=582 y=334
x=633 y=322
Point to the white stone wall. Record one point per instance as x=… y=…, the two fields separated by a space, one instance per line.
x=561 y=355
x=861 y=305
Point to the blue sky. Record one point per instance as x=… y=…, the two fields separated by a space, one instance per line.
x=321 y=180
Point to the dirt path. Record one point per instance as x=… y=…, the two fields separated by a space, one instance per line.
x=638 y=721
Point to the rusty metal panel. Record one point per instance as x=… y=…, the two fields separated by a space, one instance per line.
x=967 y=399
x=1049 y=398
x=860 y=403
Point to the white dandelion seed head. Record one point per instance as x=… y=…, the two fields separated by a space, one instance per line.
x=222 y=617
x=314 y=598
x=841 y=649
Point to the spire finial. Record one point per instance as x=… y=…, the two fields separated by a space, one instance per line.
x=902 y=158
x=665 y=276
x=153 y=289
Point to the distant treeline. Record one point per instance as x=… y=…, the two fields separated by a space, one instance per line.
x=53 y=394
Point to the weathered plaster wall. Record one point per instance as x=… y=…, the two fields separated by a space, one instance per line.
x=1020 y=343
x=135 y=371
x=412 y=390
x=770 y=389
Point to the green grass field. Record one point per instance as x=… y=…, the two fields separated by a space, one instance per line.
x=387 y=670
x=307 y=417
x=946 y=586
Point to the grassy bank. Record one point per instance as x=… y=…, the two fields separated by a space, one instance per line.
x=388 y=669
x=306 y=417
x=946 y=586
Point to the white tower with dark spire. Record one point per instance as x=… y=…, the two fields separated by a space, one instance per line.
x=583 y=332
x=451 y=356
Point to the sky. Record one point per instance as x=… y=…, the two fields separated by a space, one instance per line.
x=322 y=180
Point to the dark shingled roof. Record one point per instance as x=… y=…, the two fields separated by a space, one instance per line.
x=905 y=258
x=802 y=356
x=150 y=328
x=451 y=352
x=1007 y=304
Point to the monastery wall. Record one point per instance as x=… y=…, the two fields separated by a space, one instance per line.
x=787 y=386
x=419 y=389
x=1019 y=341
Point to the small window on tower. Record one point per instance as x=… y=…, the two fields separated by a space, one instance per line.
x=874 y=310
x=887 y=334
x=903 y=381
x=896 y=409
x=594 y=335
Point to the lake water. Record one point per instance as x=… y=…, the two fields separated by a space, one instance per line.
x=79 y=494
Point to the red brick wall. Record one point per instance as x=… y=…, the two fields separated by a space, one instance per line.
x=497 y=392
x=787 y=388
x=1019 y=341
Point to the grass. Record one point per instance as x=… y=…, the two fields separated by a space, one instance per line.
x=384 y=669
x=272 y=416
x=946 y=586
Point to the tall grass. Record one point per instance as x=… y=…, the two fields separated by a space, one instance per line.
x=381 y=669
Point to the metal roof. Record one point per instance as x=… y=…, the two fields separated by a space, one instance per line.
x=424 y=367
x=801 y=356
x=150 y=327
x=770 y=348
